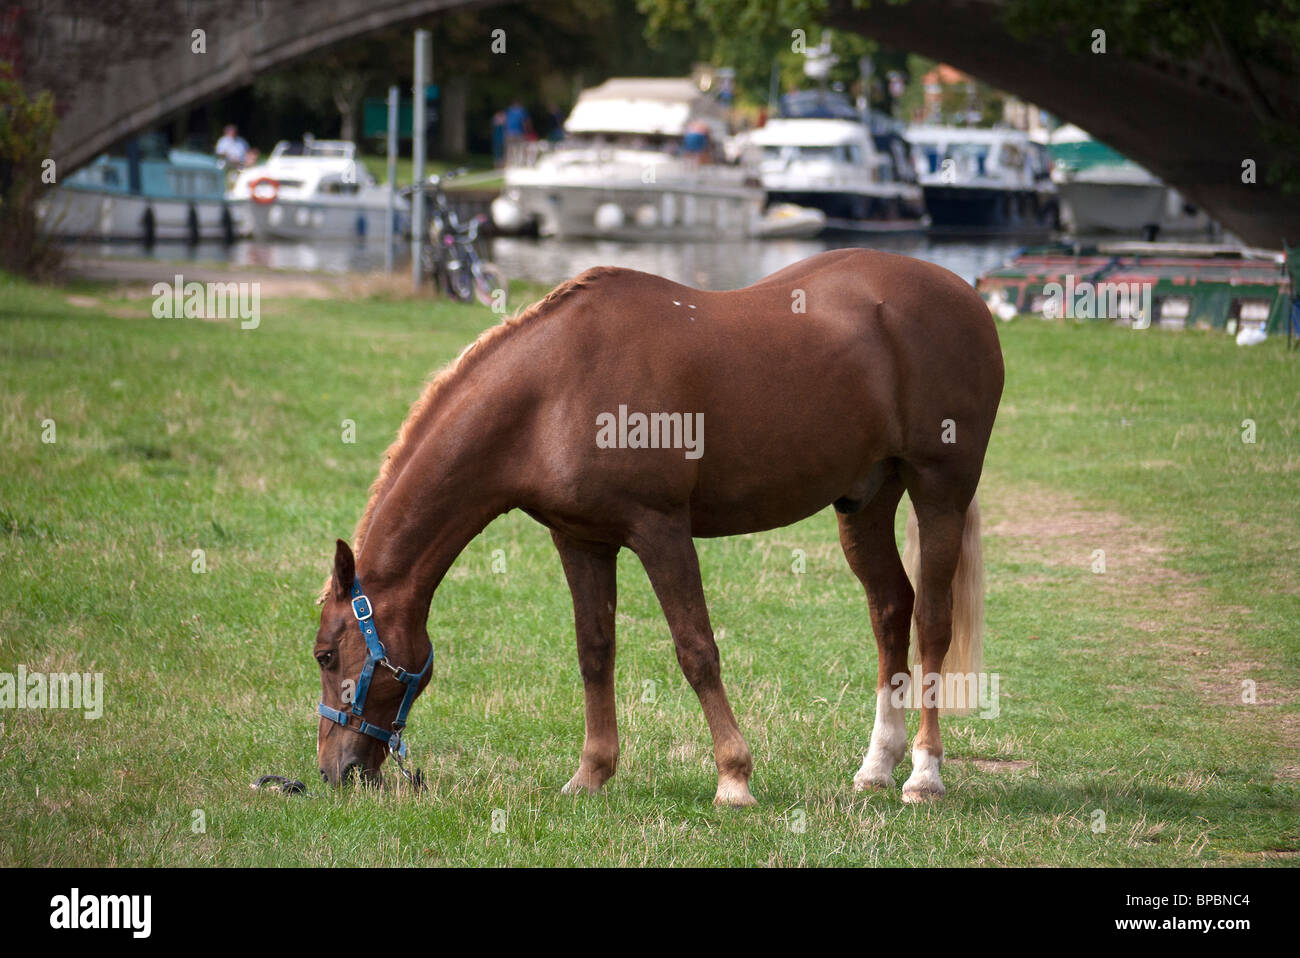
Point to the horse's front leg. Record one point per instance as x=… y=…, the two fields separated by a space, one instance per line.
x=668 y=554
x=591 y=571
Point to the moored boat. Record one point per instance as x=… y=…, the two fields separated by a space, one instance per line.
x=150 y=194
x=641 y=159
x=820 y=154
x=980 y=180
x=315 y=190
x=1103 y=191
x=1169 y=285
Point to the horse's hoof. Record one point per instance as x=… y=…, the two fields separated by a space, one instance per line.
x=920 y=794
x=869 y=782
x=924 y=784
x=734 y=795
x=581 y=784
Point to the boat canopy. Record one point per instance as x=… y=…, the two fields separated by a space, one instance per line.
x=817 y=104
x=780 y=132
x=646 y=106
x=319 y=149
x=182 y=174
x=952 y=135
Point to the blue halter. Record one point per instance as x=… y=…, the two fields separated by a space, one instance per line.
x=376 y=655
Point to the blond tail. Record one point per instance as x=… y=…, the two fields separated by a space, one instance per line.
x=965 y=656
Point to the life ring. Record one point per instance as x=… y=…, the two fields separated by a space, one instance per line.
x=264 y=190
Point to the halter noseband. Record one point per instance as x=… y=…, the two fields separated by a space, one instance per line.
x=376 y=655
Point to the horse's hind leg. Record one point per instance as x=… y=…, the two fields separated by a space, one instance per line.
x=867 y=538
x=590 y=570
x=941 y=523
x=668 y=554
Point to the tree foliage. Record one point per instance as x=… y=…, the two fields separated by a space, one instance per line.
x=26 y=127
x=552 y=50
x=1258 y=42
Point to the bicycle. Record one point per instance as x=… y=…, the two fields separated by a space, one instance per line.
x=451 y=258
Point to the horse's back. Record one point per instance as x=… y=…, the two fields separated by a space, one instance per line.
x=891 y=336
x=801 y=383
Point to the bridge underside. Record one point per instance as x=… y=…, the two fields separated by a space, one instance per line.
x=1191 y=124
x=120 y=66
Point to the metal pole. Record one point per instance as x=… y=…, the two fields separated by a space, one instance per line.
x=418 y=117
x=394 y=96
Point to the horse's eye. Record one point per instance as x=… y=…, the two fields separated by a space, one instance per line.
x=325 y=658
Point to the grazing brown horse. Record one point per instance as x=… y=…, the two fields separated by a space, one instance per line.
x=627 y=410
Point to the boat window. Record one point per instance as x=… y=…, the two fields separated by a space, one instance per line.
x=902 y=163
x=317 y=149
x=971 y=158
x=928 y=157
x=1042 y=161
x=338 y=187
x=183 y=184
x=196 y=183
x=853 y=154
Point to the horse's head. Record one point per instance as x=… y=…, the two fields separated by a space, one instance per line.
x=365 y=694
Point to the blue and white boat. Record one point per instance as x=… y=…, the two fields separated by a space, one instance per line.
x=151 y=194
x=984 y=180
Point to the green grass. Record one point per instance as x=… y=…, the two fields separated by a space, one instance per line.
x=479 y=167
x=1119 y=692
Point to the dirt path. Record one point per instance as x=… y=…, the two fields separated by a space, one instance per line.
x=136 y=277
x=1178 y=611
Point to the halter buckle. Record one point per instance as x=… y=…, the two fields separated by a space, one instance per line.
x=358 y=604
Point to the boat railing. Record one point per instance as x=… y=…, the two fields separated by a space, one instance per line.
x=525 y=153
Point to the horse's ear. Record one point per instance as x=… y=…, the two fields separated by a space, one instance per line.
x=345 y=570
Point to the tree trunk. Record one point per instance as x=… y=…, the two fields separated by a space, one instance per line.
x=347 y=88
x=453 y=140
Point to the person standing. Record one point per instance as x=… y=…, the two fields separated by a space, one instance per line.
x=499 y=138
x=232 y=147
x=519 y=129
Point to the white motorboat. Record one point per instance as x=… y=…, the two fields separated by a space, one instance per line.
x=821 y=152
x=1103 y=191
x=836 y=166
x=315 y=190
x=640 y=159
x=984 y=180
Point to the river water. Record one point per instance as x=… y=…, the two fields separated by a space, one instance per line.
x=727 y=264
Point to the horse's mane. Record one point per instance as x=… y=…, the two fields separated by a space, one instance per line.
x=407 y=436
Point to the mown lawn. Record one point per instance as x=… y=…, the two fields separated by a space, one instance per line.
x=1157 y=698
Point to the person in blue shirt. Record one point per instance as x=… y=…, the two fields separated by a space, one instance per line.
x=695 y=142
x=518 y=124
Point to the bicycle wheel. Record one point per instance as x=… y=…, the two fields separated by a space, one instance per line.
x=460 y=285
x=429 y=268
x=489 y=283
